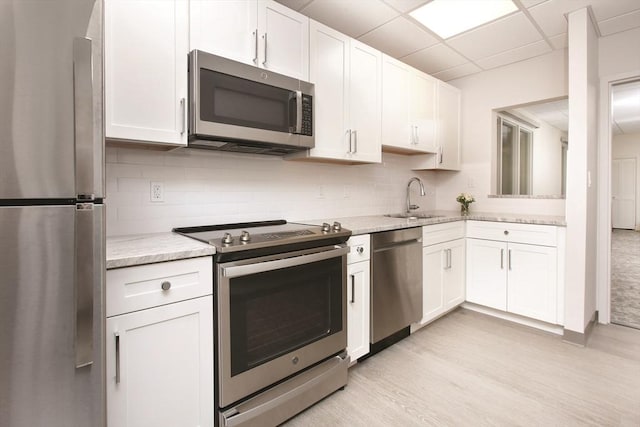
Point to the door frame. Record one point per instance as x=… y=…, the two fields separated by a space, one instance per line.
x=603 y=276
x=635 y=190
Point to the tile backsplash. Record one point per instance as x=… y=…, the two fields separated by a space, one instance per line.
x=209 y=187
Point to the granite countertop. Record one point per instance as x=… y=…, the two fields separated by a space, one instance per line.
x=376 y=223
x=138 y=249
x=126 y=251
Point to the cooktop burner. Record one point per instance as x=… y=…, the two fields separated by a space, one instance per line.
x=270 y=236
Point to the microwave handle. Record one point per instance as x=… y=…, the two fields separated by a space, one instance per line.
x=298 y=128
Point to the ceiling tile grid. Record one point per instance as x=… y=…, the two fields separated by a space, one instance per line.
x=538 y=27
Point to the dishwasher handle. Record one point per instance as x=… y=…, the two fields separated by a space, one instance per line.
x=394 y=245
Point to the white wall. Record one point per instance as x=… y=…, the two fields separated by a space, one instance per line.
x=536 y=79
x=628 y=147
x=547 y=159
x=208 y=187
x=581 y=209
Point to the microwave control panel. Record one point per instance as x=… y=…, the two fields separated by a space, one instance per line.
x=307 y=115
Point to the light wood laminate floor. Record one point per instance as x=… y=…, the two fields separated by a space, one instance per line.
x=469 y=369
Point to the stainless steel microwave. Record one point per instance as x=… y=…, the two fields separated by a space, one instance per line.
x=239 y=107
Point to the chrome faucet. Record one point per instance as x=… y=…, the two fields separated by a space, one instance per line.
x=411 y=207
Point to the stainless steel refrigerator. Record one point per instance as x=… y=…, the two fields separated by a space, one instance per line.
x=51 y=214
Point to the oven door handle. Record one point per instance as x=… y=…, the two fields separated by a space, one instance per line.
x=261 y=267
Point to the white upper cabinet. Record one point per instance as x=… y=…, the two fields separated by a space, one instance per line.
x=409 y=109
x=146 y=50
x=447 y=132
x=365 y=102
x=226 y=28
x=347 y=100
x=283 y=40
x=257 y=32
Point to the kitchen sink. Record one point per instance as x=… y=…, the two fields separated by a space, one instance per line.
x=413 y=215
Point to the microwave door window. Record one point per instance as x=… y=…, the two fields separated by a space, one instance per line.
x=236 y=101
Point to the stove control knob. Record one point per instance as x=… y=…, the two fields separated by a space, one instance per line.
x=326 y=227
x=227 y=239
x=245 y=236
x=337 y=226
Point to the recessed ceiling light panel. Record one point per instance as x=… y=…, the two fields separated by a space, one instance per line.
x=447 y=18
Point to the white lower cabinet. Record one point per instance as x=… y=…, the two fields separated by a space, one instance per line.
x=516 y=277
x=358 y=297
x=159 y=360
x=443 y=265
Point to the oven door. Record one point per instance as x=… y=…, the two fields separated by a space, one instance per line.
x=278 y=315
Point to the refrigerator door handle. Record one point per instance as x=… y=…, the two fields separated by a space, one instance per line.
x=83 y=117
x=84 y=278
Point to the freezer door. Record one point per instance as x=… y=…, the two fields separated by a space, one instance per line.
x=50 y=98
x=51 y=367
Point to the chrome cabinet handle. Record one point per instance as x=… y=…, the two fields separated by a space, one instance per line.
x=83 y=117
x=166 y=285
x=355 y=141
x=255 y=51
x=501 y=259
x=449 y=264
x=353 y=288
x=264 y=36
x=509 y=262
x=117 y=336
x=417 y=135
x=350 y=141
x=441 y=155
x=85 y=265
x=183 y=113
x=360 y=250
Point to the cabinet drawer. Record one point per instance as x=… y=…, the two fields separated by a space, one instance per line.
x=438 y=233
x=360 y=248
x=136 y=288
x=534 y=234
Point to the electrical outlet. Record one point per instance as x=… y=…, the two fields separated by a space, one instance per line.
x=157 y=192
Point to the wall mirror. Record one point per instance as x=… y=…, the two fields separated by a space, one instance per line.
x=531 y=145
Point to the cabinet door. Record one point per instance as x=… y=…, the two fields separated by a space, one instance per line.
x=396 y=128
x=146 y=49
x=160 y=366
x=283 y=40
x=358 y=309
x=486 y=273
x=453 y=281
x=448 y=132
x=423 y=111
x=433 y=263
x=532 y=281
x=227 y=28
x=365 y=93
x=329 y=71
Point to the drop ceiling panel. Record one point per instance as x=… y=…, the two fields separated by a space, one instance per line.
x=295 y=4
x=499 y=36
x=550 y=15
x=606 y=9
x=457 y=72
x=351 y=17
x=530 y=3
x=514 y=55
x=435 y=58
x=405 y=6
x=399 y=37
x=559 y=42
x=620 y=23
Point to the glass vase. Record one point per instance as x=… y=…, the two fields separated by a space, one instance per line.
x=464 y=210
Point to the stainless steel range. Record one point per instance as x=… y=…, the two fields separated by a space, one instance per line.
x=280 y=292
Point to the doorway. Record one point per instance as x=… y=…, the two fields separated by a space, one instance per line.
x=625 y=237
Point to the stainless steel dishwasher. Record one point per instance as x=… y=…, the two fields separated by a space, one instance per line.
x=396 y=284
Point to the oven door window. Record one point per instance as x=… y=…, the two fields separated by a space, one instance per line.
x=275 y=312
x=236 y=101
